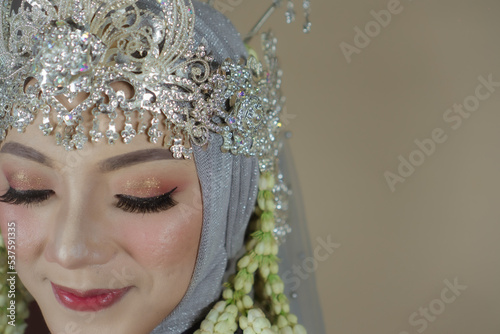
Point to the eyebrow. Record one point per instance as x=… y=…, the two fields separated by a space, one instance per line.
x=133 y=158
x=107 y=165
x=26 y=152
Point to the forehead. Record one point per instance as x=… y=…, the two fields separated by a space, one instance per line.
x=92 y=153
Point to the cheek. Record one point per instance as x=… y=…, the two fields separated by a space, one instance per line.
x=166 y=240
x=28 y=230
x=26 y=220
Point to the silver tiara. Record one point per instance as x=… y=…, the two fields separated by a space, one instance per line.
x=78 y=46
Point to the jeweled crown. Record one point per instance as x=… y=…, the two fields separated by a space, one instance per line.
x=78 y=46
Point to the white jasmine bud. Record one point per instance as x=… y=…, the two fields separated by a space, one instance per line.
x=244 y=262
x=286 y=330
x=260 y=248
x=264 y=271
x=227 y=294
x=207 y=325
x=269 y=290
x=254 y=314
x=243 y=322
x=247 y=302
x=220 y=306
x=239 y=282
x=253 y=266
x=282 y=321
x=292 y=318
x=261 y=201
x=239 y=305
x=274 y=267
x=260 y=323
x=269 y=247
x=267 y=225
x=248 y=287
x=249 y=330
x=299 y=329
x=278 y=287
x=270 y=178
x=262 y=183
x=233 y=327
x=277 y=308
x=270 y=205
x=251 y=244
x=232 y=309
x=274 y=249
x=224 y=317
x=213 y=315
x=222 y=327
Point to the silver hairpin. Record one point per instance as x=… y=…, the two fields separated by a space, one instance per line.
x=289 y=15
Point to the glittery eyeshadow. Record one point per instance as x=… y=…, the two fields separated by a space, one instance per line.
x=144 y=187
x=23 y=181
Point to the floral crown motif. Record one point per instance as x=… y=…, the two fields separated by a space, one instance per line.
x=78 y=46
x=84 y=46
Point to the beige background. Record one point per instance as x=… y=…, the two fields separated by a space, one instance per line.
x=352 y=122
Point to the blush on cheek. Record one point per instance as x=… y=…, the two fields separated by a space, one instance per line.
x=165 y=240
x=28 y=228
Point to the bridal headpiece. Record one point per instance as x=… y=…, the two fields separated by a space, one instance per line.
x=70 y=47
x=181 y=95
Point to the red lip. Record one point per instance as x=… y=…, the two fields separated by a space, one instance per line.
x=89 y=300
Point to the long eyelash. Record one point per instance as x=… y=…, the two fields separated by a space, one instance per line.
x=146 y=205
x=26 y=197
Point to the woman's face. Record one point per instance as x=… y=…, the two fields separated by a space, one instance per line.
x=106 y=237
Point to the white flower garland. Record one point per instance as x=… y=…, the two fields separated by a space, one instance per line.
x=257 y=270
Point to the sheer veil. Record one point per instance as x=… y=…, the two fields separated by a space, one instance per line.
x=229 y=188
x=300 y=288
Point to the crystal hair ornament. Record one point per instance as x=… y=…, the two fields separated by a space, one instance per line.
x=180 y=96
x=290 y=15
x=70 y=47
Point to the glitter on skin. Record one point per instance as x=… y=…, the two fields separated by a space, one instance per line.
x=22 y=181
x=143 y=188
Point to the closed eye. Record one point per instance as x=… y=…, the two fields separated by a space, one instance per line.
x=146 y=205
x=25 y=197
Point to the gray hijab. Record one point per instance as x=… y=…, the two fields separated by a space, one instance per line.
x=229 y=189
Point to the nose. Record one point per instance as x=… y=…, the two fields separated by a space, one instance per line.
x=78 y=238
